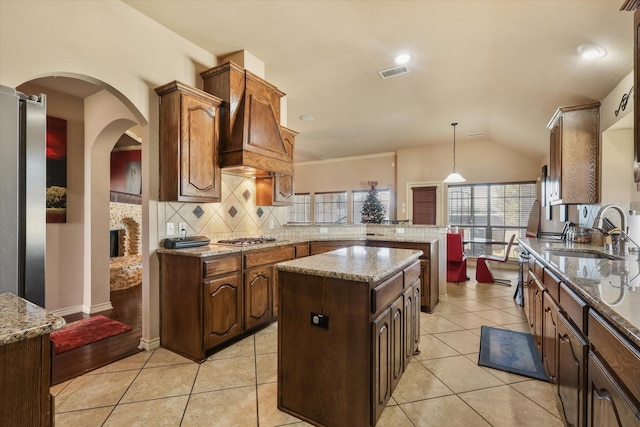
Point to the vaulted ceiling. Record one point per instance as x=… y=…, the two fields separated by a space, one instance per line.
x=500 y=68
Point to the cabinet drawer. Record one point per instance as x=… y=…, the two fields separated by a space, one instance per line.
x=574 y=307
x=412 y=273
x=383 y=294
x=552 y=283
x=616 y=351
x=268 y=256
x=216 y=266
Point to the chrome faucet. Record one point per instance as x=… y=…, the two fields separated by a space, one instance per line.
x=597 y=223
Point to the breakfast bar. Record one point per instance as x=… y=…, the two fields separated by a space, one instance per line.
x=349 y=323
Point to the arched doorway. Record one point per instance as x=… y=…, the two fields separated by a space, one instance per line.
x=77 y=269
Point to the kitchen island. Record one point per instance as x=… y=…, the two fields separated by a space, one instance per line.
x=582 y=305
x=349 y=323
x=25 y=362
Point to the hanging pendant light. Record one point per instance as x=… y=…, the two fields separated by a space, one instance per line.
x=454 y=177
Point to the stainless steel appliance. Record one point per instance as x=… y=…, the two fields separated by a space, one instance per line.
x=23 y=194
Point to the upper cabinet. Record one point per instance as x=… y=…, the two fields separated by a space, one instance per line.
x=277 y=189
x=251 y=141
x=189 y=135
x=574 y=159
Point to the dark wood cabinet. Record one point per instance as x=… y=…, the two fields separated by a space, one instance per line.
x=251 y=135
x=189 y=144
x=550 y=336
x=277 y=189
x=25 y=378
x=572 y=372
x=429 y=275
x=349 y=367
x=201 y=302
x=319 y=247
x=261 y=283
x=574 y=155
x=223 y=307
x=301 y=249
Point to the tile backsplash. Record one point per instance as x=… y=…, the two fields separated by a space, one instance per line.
x=237 y=215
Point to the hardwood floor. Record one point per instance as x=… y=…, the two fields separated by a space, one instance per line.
x=127 y=308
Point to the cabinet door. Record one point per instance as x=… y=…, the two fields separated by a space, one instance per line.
x=417 y=292
x=397 y=342
x=555 y=161
x=550 y=337
x=222 y=309
x=538 y=314
x=608 y=403
x=258 y=283
x=382 y=356
x=571 y=376
x=409 y=324
x=282 y=190
x=200 y=174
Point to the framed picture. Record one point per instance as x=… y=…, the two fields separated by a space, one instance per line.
x=56 y=170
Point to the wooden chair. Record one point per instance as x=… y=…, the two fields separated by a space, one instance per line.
x=483 y=270
x=456 y=259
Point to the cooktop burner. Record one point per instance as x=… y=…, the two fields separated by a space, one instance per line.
x=248 y=240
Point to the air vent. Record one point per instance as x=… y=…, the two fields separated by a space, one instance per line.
x=392 y=72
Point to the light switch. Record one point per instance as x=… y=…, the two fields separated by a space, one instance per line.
x=171 y=229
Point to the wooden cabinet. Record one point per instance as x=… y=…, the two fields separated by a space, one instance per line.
x=534 y=298
x=277 y=189
x=251 y=135
x=574 y=155
x=260 y=284
x=613 y=387
x=201 y=302
x=25 y=378
x=301 y=249
x=188 y=145
x=350 y=365
x=572 y=372
x=550 y=336
x=429 y=275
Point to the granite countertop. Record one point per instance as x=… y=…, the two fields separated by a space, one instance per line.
x=21 y=319
x=221 y=249
x=355 y=263
x=610 y=287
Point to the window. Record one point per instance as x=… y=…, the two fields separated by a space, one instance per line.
x=300 y=211
x=331 y=208
x=359 y=197
x=491 y=211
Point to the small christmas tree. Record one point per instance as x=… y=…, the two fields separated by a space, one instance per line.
x=372 y=209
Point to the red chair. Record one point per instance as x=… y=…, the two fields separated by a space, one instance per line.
x=456 y=259
x=483 y=271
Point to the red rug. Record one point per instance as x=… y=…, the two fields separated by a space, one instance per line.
x=85 y=331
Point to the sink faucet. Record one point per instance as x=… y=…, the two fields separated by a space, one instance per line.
x=597 y=223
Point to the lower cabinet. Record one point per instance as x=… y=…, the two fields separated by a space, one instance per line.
x=572 y=371
x=223 y=302
x=349 y=366
x=550 y=336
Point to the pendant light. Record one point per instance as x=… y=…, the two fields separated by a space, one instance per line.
x=454 y=177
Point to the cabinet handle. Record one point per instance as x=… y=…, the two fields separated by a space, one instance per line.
x=603 y=394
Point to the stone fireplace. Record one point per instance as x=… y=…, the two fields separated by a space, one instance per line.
x=125 y=246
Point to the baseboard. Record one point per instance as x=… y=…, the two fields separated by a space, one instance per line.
x=97 y=308
x=67 y=311
x=149 y=345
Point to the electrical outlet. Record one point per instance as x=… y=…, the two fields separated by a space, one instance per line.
x=399 y=230
x=171 y=229
x=324 y=230
x=182 y=227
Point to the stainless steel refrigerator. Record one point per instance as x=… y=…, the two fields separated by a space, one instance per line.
x=23 y=122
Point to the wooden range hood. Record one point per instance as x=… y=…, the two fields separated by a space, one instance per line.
x=251 y=138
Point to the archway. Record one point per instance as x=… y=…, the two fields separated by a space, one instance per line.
x=105 y=114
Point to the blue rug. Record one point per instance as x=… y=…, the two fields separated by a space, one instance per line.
x=510 y=351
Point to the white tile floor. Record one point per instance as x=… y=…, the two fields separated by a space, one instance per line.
x=442 y=386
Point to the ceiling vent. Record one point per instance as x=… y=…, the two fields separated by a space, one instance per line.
x=392 y=72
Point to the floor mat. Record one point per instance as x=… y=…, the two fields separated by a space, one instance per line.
x=510 y=351
x=85 y=331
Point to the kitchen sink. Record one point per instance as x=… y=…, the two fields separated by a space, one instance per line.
x=583 y=253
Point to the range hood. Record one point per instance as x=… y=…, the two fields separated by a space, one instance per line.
x=251 y=138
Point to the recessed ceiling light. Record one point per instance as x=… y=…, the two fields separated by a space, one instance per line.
x=592 y=51
x=403 y=58
x=306 y=117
